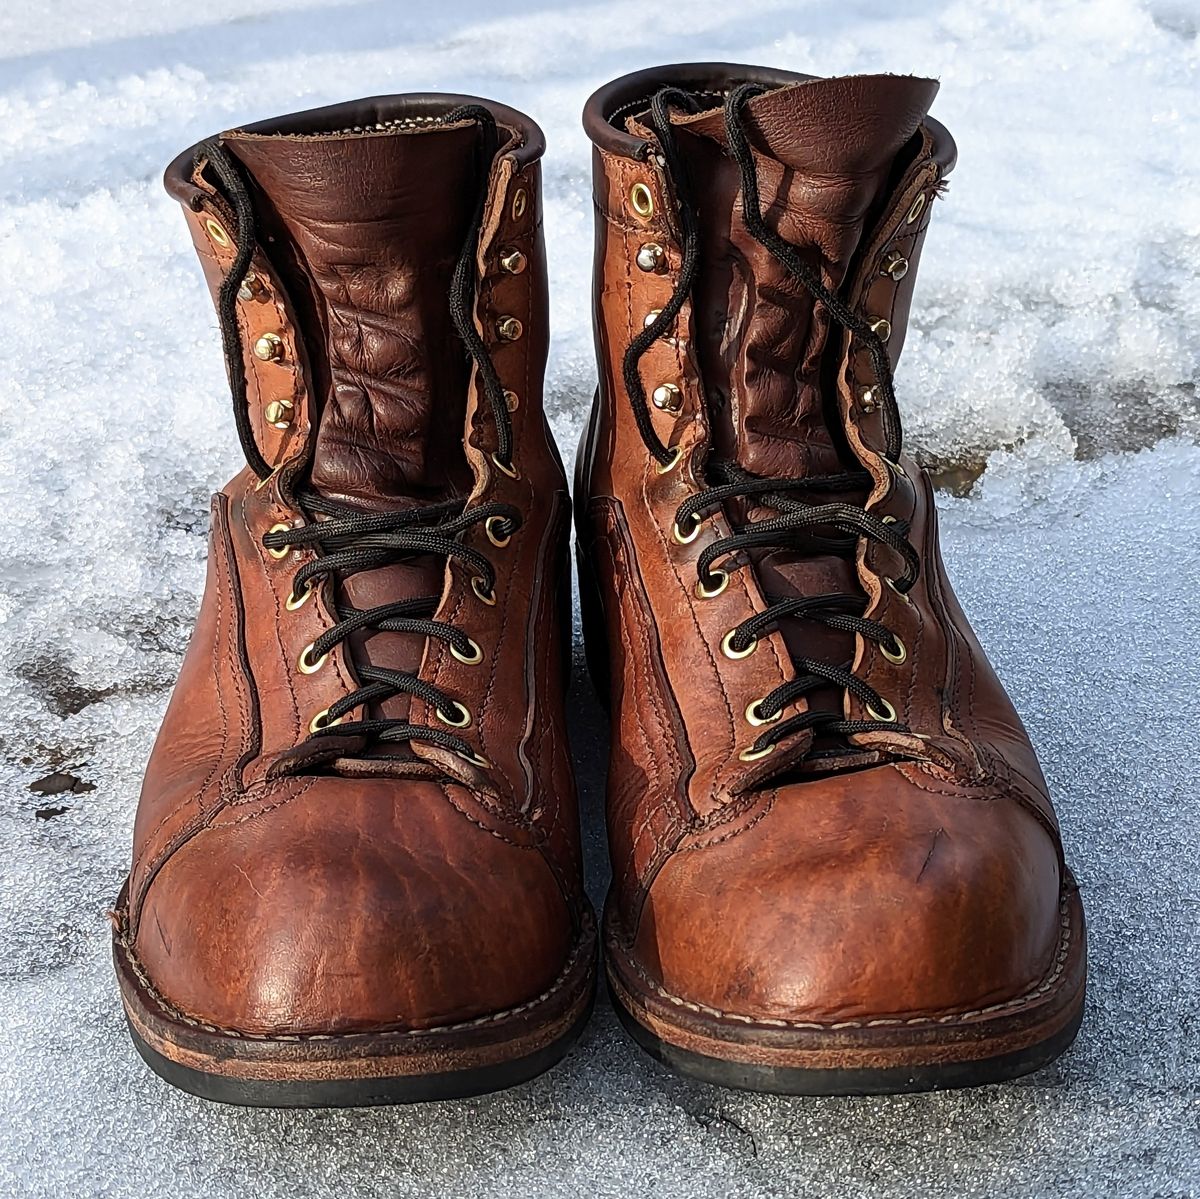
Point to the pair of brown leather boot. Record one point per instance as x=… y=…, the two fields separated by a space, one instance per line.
x=356 y=874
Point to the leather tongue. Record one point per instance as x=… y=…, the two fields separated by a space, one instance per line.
x=366 y=229
x=370 y=225
x=824 y=152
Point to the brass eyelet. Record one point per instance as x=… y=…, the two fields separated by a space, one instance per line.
x=888 y=520
x=722 y=577
x=292 y=604
x=505 y=468
x=479 y=586
x=902 y=594
x=490 y=525
x=475 y=651
x=651 y=317
x=918 y=207
x=753 y=717
x=641 y=200
x=287 y=549
x=474 y=758
x=520 y=202
x=306 y=665
x=888 y=718
x=882 y=328
x=665 y=468
x=728 y=650
x=321 y=721
x=459 y=722
x=216 y=231
x=897 y=655
x=750 y=754
x=682 y=538
x=512 y=401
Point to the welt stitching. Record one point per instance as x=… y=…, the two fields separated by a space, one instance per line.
x=560 y=982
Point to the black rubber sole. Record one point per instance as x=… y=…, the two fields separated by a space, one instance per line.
x=893 y=1080
x=361 y=1092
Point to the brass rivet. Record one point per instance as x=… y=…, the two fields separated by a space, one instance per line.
x=693 y=532
x=306 y=665
x=321 y=721
x=882 y=328
x=918 y=206
x=728 y=650
x=888 y=716
x=474 y=653
x=651 y=257
x=722 y=577
x=287 y=549
x=512 y=401
x=512 y=261
x=217 y=232
x=520 y=202
x=752 y=755
x=458 y=721
x=508 y=328
x=897 y=655
x=251 y=287
x=895 y=265
x=668 y=397
x=753 y=717
x=278 y=413
x=641 y=200
x=269 y=348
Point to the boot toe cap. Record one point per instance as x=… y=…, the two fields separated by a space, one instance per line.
x=830 y=908
x=373 y=905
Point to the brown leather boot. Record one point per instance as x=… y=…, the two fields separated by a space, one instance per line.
x=836 y=866
x=356 y=871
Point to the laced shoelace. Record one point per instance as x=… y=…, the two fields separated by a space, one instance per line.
x=799 y=526
x=347 y=540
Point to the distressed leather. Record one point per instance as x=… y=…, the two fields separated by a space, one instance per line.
x=905 y=874
x=276 y=890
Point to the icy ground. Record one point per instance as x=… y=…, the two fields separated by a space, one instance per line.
x=1056 y=340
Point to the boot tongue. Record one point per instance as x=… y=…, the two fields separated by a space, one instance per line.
x=824 y=152
x=366 y=228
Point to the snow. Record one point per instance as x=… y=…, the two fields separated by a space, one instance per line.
x=1056 y=341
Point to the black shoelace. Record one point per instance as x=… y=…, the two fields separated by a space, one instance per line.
x=799 y=526
x=347 y=540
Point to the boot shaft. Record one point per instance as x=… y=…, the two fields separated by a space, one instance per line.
x=846 y=169
x=356 y=373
